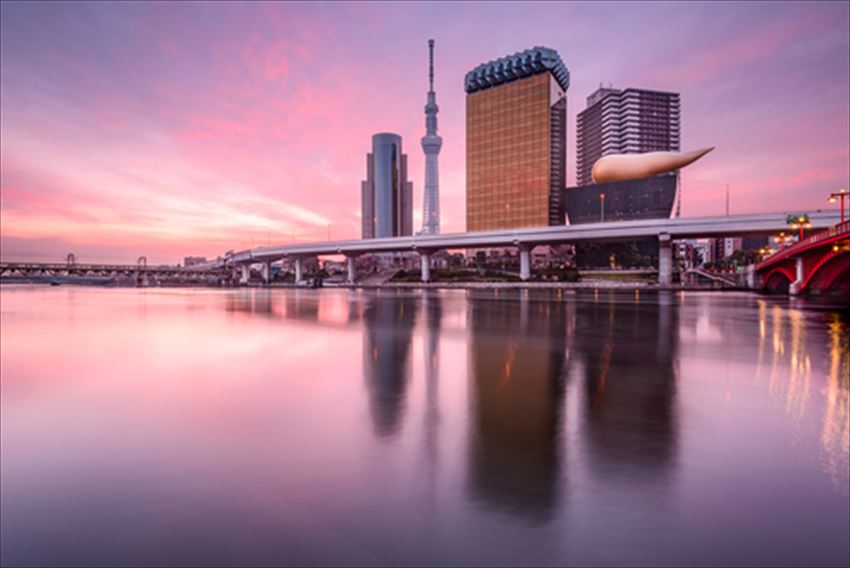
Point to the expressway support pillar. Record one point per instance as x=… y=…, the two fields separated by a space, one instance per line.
x=751 y=277
x=299 y=270
x=352 y=269
x=246 y=273
x=425 y=264
x=524 y=262
x=267 y=272
x=794 y=288
x=665 y=260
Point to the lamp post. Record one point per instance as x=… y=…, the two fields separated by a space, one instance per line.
x=833 y=197
x=799 y=222
x=602 y=207
x=782 y=239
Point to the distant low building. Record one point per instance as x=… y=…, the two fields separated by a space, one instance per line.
x=754 y=243
x=724 y=247
x=193 y=260
x=691 y=252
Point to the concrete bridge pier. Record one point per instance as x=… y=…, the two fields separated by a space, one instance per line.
x=794 y=288
x=299 y=269
x=352 y=269
x=267 y=272
x=665 y=260
x=751 y=277
x=425 y=264
x=142 y=279
x=525 y=262
x=246 y=273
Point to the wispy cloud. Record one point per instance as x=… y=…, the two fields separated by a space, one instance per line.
x=169 y=129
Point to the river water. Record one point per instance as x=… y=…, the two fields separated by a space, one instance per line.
x=265 y=427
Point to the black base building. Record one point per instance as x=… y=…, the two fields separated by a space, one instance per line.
x=648 y=198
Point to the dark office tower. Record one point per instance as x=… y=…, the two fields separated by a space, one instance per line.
x=516 y=119
x=387 y=196
x=631 y=121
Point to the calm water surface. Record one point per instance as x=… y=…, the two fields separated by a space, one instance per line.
x=252 y=427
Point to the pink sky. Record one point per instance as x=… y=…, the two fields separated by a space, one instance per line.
x=174 y=129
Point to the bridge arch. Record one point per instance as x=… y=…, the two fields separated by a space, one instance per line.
x=778 y=281
x=779 y=277
x=832 y=275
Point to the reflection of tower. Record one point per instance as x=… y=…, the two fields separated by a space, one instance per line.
x=303 y=305
x=432 y=311
x=517 y=357
x=386 y=349
x=630 y=384
x=255 y=302
x=431 y=144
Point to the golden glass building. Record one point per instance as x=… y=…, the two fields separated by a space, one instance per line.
x=516 y=125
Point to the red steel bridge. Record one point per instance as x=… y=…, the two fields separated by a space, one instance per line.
x=819 y=264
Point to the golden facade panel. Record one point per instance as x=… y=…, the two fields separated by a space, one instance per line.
x=510 y=154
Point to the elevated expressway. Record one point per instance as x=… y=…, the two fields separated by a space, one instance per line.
x=665 y=230
x=72 y=272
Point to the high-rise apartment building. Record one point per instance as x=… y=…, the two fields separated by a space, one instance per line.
x=387 y=196
x=516 y=126
x=628 y=121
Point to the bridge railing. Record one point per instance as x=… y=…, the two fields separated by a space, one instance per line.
x=820 y=236
x=95 y=267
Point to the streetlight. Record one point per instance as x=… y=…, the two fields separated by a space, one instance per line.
x=782 y=239
x=833 y=197
x=602 y=207
x=799 y=222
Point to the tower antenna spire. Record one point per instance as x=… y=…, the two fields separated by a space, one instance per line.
x=431 y=144
x=430 y=64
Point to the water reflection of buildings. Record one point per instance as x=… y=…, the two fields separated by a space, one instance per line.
x=389 y=321
x=783 y=332
x=432 y=311
x=517 y=353
x=835 y=437
x=630 y=384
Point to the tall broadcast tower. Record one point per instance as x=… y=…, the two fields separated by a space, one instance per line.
x=431 y=144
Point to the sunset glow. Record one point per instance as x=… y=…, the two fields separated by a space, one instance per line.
x=168 y=130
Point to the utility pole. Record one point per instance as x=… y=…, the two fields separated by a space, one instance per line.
x=727 y=199
x=679 y=195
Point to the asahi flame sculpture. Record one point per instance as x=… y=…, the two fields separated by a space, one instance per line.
x=624 y=167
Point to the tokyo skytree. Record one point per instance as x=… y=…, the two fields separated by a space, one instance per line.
x=431 y=144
